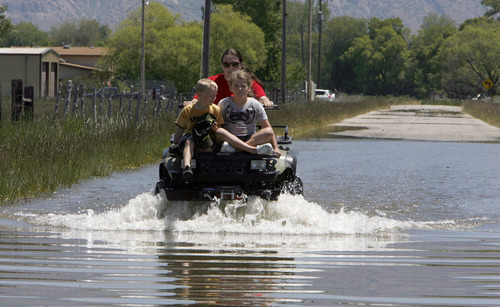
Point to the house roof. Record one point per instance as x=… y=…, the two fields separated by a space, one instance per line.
x=87 y=51
x=26 y=51
x=79 y=66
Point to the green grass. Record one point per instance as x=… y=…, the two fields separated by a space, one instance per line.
x=487 y=111
x=41 y=156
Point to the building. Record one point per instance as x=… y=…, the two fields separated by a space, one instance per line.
x=80 y=62
x=37 y=67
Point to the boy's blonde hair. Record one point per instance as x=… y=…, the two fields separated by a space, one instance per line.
x=205 y=84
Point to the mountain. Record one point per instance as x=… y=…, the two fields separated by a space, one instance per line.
x=411 y=12
x=47 y=13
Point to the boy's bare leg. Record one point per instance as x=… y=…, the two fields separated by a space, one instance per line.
x=188 y=153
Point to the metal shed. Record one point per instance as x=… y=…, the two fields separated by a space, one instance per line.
x=37 y=67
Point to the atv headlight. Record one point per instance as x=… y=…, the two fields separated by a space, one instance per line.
x=258 y=165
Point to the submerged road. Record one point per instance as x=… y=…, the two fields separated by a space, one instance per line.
x=419 y=122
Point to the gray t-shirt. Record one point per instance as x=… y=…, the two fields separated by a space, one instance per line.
x=241 y=122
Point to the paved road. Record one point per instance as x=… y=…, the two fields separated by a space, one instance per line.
x=420 y=122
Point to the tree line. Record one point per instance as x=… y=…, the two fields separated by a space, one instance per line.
x=364 y=56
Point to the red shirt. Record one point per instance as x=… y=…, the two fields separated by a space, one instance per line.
x=223 y=90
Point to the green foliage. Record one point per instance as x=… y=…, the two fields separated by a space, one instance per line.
x=380 y=57
x=5 y=23
x=339 y=35
x=160 y=23
x=470 y=57
x=177 y=56
x=423 y=74
x=84 y=32
x=25 y=34
x=173 y=47
x=494 y=7
x=267 y=16
x=243 y=35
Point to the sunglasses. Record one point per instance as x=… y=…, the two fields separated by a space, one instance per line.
x=234 y=64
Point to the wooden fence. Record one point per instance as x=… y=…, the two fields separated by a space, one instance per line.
x=73 y=99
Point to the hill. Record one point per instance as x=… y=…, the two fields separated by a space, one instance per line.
x=51 y=12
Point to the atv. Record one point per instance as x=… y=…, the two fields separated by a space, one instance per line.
x=230 y=176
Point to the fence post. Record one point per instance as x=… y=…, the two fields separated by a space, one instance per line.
x=74 y=107
x=130 y=102
x=155 y=99
x=17 y=99
x=94 y=103
x=120 y=106
x=101 y=101
x=110 y=104
x=160 y=100
x=138 y=108
x=28 y=102
x=68 y=97
x=145 y=105
x=58 y=97
x=82 y=100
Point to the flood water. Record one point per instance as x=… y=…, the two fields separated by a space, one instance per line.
x=380 y=223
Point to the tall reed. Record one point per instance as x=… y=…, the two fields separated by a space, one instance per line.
x=38 y=157
x=487 y=111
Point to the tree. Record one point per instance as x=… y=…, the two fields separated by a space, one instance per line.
x=177 y=56
x=242 y=35
x=26 y=34
x=423 y=75
x=495 y=7
x=469 y=58
x=267 y=16
x=5 y=23
x=339 y=36
x=125 y=43
x=173 y=47
x=379 y=58
x=84 y=32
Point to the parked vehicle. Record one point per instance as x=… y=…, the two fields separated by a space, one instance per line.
x=324 y=95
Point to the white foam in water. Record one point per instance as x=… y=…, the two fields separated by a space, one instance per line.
x=288 y=215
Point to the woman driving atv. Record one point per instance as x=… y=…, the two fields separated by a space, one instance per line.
x=231 y=61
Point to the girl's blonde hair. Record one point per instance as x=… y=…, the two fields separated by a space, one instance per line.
x=243 y=75
x=240 y=74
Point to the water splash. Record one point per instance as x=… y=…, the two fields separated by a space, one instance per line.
x=288 y=215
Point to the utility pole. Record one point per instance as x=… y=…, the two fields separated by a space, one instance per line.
x=206 y=39
x=143 y=57
x=283 y=54
x=309 y=54
x=320 y=21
